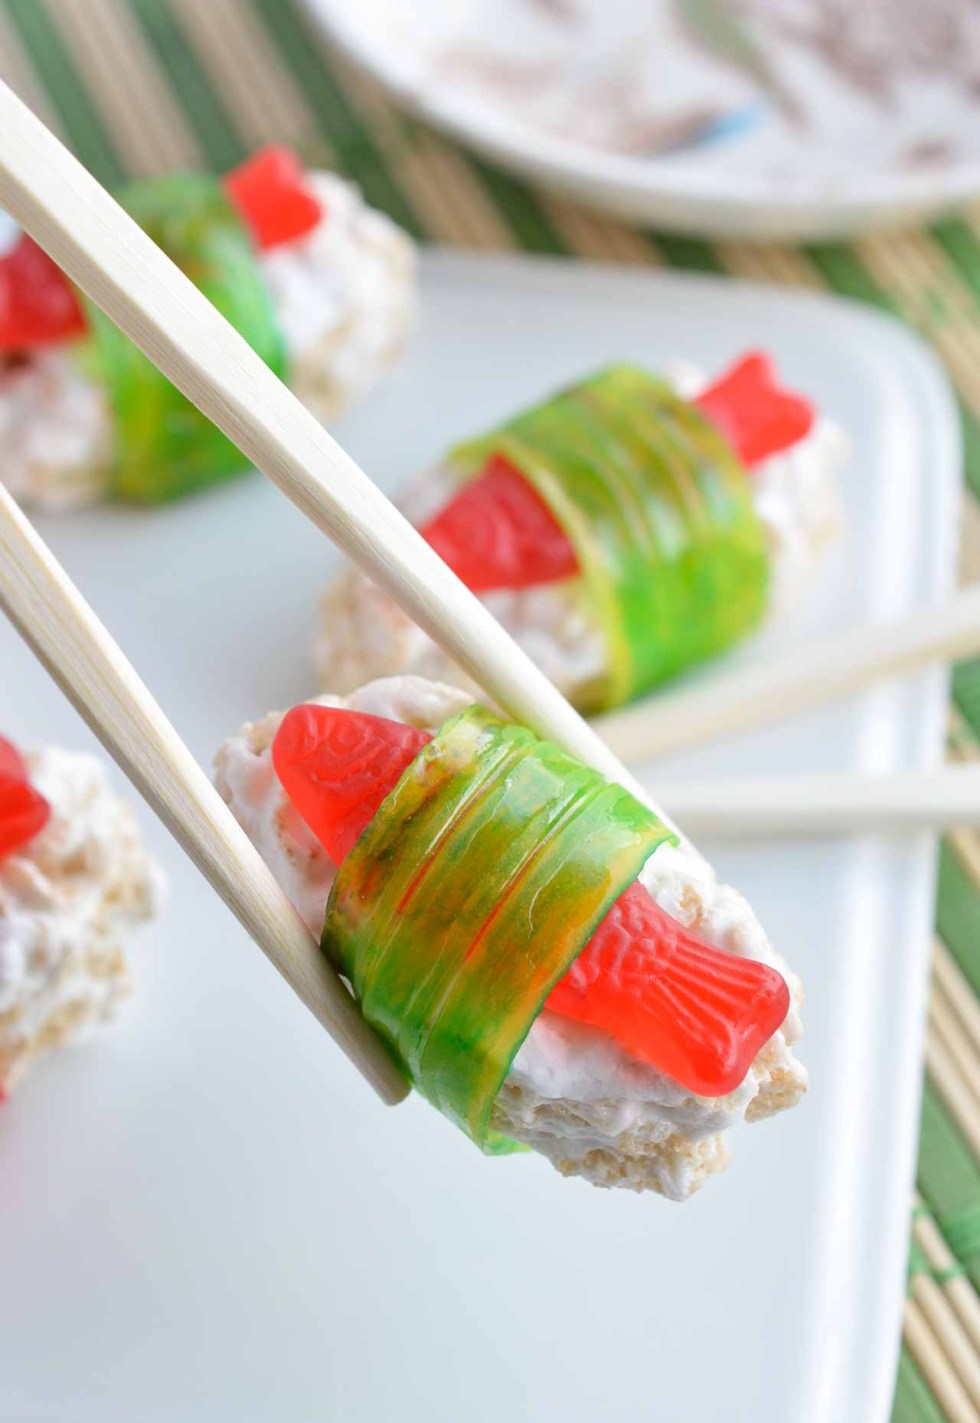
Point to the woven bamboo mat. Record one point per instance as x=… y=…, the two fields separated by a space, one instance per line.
x=141 y=86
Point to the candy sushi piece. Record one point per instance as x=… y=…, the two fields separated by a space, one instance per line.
x=320 y=285
x=549 y=962
x=75 y=882
x=623 y=531
x=668 y=999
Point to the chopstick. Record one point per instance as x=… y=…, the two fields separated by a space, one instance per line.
x=756 y=696
x=81 y=656
x=122 y=270
x=70 y=215
x=840 y=803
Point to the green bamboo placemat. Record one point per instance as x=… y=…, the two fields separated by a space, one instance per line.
x=141 y=86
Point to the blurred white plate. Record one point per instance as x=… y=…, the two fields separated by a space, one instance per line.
x=207 y=1216
x=763 y=118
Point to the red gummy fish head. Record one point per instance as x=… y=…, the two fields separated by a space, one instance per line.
x=336 y=766
x=38 y=304
x=499 y=533
x=23 y=811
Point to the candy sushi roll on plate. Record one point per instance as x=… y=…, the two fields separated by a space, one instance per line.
x=75 y=883
x=623 y=530
x=322 y=286
x=549 y=962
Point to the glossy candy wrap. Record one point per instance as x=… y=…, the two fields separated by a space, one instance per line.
x=659 y=512
x=481 y=878
x=164 y=446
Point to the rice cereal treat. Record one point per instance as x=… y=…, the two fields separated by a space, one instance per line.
x=321 y=286
x=622 y=531
x=75 y=881
x=551 y=965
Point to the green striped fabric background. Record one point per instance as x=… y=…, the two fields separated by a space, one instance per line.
x=142 y=86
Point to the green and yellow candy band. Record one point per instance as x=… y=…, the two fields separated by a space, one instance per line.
x=659 y=511
x=483 y=875
x=164 y=446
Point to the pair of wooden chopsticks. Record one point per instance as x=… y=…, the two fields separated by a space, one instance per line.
x=106 y=253
x=120 y=268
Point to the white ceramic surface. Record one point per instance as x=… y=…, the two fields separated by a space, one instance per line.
x=207 y=1218
x=767 y=118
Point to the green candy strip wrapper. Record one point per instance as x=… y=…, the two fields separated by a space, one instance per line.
x=480 y=879
x=659 y=512
x=164 y=446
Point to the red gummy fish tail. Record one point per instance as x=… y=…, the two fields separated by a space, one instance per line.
x=754 y=413
x=336 y=766
x=273 y=197
x=685 y=1008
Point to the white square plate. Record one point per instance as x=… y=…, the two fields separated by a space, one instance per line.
x=207 y=1216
